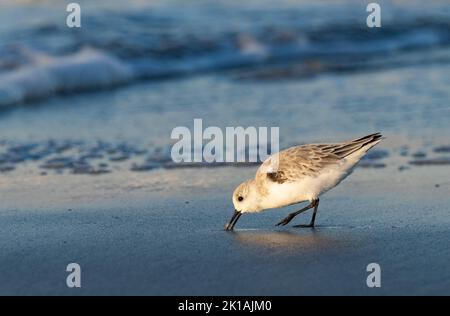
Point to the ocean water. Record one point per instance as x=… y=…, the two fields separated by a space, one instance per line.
x=166 y=39
x=132 y=73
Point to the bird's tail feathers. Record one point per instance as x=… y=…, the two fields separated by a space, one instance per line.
x=362 y=145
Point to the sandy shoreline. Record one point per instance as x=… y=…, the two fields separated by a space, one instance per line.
x=160 y=233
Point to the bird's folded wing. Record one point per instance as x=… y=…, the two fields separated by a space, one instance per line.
x=298 y=162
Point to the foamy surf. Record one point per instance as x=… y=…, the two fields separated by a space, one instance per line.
x=137 y=44
x=43 y=75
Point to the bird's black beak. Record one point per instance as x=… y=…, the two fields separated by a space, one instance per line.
x=230 y=225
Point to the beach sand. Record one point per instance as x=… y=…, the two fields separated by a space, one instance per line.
x=161 y=233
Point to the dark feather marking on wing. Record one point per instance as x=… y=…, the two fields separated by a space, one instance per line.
x=278 y=177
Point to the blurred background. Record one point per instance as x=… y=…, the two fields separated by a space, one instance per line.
x=133 y=72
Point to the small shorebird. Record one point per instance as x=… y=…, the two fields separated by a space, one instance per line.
x=299 y=174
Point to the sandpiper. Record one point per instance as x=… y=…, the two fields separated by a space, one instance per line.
x=298 y=174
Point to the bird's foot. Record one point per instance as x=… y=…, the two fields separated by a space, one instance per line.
x=304 y=226
x=285 y=221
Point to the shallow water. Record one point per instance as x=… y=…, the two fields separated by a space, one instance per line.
x=388 y=101
x=131 y=127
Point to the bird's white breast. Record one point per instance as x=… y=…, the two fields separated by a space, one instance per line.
x=305 y=189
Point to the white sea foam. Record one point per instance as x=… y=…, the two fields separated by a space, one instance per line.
x=43 y=75
x=27 y=74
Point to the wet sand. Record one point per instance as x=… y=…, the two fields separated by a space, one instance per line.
x=161 y=233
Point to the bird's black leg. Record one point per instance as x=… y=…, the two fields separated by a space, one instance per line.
x=315 y=204
x=292 y=215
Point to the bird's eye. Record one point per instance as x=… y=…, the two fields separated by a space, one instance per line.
x=240 y=198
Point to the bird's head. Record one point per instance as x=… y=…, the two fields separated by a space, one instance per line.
x=245 y=199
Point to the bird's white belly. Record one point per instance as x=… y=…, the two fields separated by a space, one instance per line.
x=307 y=189
x=285 y=194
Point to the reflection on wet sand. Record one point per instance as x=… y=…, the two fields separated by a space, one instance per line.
x=287 y=240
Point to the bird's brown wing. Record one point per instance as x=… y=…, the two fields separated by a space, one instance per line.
x=298 y=162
